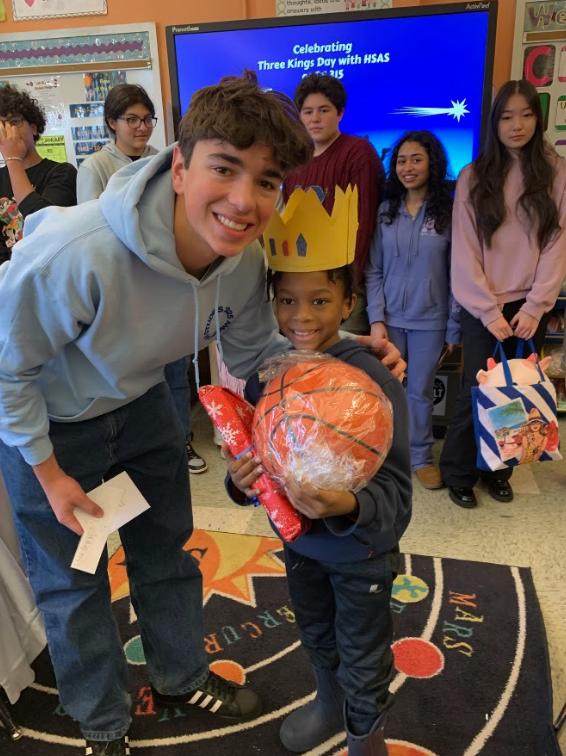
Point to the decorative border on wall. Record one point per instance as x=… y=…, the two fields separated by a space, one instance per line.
x=57 y=52
x=102 y=10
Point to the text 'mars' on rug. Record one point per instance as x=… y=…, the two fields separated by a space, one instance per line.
x=470 y=650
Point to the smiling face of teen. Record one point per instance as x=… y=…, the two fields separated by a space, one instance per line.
x=321 y=120
x=413 y=166
x=132 y=141
x=225 y=198
x=517 y=124
x=310 y=308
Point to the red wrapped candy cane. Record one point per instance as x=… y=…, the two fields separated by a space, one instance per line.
x=233 y=417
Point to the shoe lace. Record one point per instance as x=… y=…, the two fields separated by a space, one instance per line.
x=191 y=453
x=108 y=748
x=115 y=748
x=219 y=687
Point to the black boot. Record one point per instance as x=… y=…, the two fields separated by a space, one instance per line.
x=314 y=723
x=372 y=744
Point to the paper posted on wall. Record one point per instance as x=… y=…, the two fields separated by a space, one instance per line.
x=121 y=502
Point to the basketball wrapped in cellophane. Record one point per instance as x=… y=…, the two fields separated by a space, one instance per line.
x=321 y=421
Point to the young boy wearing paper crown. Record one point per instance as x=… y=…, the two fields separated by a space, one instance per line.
x=341 y=572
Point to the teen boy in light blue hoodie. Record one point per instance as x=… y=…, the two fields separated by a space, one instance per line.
x=95 y=302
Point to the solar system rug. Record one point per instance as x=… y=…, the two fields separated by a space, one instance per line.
x=470 y=651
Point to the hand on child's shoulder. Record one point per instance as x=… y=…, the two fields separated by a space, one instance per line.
x=387 y=353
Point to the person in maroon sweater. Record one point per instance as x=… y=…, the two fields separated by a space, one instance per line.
x=339 y=159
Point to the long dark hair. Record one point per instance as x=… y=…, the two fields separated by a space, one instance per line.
x=491 y=168
x=439 y=198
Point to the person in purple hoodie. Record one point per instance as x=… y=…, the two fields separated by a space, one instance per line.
x=408 y=280
x=508 y=263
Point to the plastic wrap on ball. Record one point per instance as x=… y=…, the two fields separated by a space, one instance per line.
x=321 y=421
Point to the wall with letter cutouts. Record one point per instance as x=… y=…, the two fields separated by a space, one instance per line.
x=539 y=55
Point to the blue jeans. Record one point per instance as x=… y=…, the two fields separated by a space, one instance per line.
x=145 y=439
x=344 y=621
x=422 y=351
x=178 y=382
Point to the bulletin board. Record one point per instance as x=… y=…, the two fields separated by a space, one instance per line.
x=71 y=75
x=539 y=55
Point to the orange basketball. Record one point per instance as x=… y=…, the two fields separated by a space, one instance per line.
x=324 y=422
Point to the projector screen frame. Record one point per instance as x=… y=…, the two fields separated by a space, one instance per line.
x=490 y=6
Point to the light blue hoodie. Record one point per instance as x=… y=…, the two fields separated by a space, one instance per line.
x=94 y=303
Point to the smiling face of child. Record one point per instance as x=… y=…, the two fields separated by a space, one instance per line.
x=310 y=308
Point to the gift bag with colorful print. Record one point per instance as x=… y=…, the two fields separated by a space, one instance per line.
x=515 y=412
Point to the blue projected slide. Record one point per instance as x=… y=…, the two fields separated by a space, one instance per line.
x=421 y=72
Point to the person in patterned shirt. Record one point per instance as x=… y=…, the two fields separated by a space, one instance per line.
x=28 y=182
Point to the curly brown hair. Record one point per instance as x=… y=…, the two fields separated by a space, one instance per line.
x=239 y=112
x=17 y=102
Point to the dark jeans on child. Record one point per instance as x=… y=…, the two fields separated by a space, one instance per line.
x=344 y=620
x=145 y=439
x=459 y=454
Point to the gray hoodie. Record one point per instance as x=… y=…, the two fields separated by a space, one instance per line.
x=95 y=172
x=95 y=303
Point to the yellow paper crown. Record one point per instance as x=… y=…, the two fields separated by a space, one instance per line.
x=305 y=238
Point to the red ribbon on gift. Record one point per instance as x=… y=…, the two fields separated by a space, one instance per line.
x=233 y=417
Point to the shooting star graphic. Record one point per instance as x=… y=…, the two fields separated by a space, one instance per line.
x=458 y=110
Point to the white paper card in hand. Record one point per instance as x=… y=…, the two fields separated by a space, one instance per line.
x=132 y=504
x=121 y=502
x=96 y=529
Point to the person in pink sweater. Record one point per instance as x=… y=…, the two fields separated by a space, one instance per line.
x=508 y=262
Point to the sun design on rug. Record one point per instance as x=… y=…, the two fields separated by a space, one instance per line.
x=400 y=748
x=228 y=563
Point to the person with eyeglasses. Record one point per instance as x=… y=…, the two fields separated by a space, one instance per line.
x=129 y=115
x=28 y=182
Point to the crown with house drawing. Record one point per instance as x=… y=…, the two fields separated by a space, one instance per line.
x=305 y=238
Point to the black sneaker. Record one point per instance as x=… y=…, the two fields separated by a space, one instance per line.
x=222 y=697
x=196 y=462
x=120 y=747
